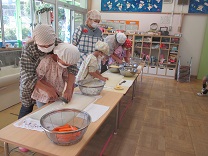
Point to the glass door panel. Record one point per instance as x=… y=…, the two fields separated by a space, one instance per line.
x=78 y=19
x=64 y=32
x=25 y=20
x=9 y=21
x=47 y=15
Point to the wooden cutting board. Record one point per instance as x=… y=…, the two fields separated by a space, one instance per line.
x=114 y=79
x=78 y=102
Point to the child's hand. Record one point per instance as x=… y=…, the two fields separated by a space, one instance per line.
x=68 y=94
x=119 y=61
x=106 y=78
x=52 y=93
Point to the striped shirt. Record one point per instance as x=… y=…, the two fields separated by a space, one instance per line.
x=30 y=59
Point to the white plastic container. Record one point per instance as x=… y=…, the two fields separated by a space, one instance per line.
x=161 y=71
x=152 y=70
x=170 y=72
x=145 y=69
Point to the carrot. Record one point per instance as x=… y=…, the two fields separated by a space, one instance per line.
x=61 y=127
x=66 y=137
x=65 y=129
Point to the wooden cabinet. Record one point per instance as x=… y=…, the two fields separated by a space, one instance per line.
x=159 y=53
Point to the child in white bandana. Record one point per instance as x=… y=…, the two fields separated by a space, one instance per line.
x=52 y=73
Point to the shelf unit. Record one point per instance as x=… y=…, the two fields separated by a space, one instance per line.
x=160 y=53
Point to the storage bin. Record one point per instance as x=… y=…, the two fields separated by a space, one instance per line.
x=152 y=70
x=145 y=69
x=170 y=72
x=161 y=71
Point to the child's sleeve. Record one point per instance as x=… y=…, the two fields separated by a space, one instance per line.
x=93 y=65
x=65 y=75
x=119 y=50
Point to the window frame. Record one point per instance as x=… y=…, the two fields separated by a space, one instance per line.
x=56 y=4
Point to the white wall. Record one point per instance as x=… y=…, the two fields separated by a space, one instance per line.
x=193 y=28
x=192 y=40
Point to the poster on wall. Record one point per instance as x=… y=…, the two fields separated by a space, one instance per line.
x=198 y=6
x=131 y=5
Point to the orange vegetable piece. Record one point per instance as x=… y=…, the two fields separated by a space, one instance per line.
x=66 y=137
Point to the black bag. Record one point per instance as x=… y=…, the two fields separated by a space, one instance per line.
x=164 y=31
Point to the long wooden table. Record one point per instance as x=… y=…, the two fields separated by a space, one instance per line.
x=38 y=141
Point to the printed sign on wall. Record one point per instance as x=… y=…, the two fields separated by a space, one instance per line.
x=131 y=5
x=198 y=6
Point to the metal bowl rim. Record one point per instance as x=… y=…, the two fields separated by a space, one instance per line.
x=83 y=85
x=61 y=110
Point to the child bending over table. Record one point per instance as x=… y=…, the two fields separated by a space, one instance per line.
x=52 y=73
x=90 y=66
x=122 y=52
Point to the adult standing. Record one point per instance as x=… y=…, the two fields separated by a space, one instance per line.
x=114 y=41
x=42 y=43
x=86 y=35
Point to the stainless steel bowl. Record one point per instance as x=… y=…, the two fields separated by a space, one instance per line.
x=128 y=71
x=72 y=117
x=113 y=69
x=91 y=87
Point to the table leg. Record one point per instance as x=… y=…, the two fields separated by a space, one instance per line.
x=117 y=117
x=134 y=87
x=141 y=75
x=6 y=149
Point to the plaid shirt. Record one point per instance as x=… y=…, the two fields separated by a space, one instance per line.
x=85 y=38
x=30 y=58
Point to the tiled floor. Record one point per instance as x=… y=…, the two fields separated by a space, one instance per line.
x=167 y=118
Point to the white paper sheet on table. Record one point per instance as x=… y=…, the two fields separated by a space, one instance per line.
x=32 y=121
x=95 y=111
x=29 y=123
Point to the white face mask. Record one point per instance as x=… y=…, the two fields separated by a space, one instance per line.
x=63 y=66
x=46 y=50
x=94 y=24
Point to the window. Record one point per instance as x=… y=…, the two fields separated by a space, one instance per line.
x=79 y=3
x=64 y=24
x=25 y=19
x=19 y=19
x=78 y=19
x=9 y=21
x=44 y=13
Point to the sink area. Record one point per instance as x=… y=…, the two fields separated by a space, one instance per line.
x=9 y=86
x=9 y=78
x=9 y=75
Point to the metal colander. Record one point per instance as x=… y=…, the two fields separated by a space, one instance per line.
x=73 y=117
x=91 y=87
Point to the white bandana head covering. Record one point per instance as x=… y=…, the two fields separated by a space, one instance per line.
x=68 y=53
x=44 y=34
x=102 y=46
x=94 y=14
x=121 y=38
